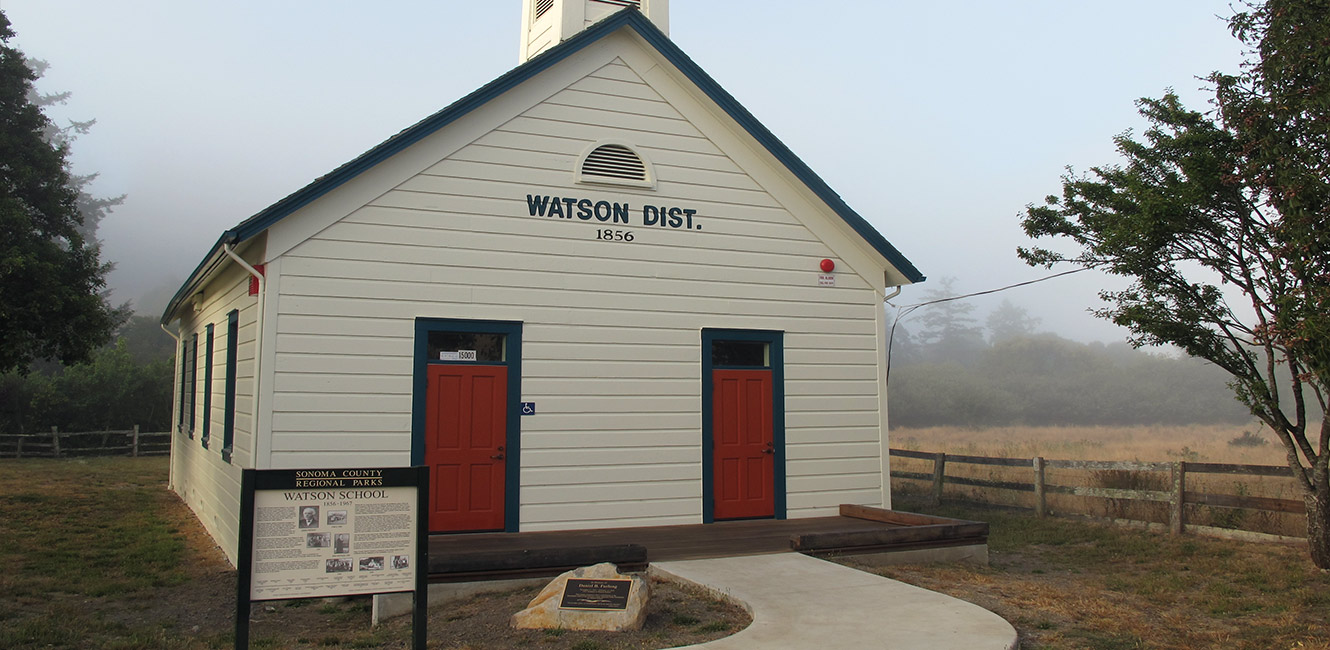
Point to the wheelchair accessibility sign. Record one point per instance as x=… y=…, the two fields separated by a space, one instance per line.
x=528 y=408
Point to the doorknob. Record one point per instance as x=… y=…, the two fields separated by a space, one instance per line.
x=498 y=456
x=770 y=449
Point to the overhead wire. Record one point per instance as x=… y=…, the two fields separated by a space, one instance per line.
x=905 y=310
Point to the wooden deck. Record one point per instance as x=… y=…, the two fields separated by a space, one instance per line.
x=473 y=556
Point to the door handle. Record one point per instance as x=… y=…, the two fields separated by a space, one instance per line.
x=769 y=450
x=498 y=456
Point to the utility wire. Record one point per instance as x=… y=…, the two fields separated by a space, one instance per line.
x=905 y=310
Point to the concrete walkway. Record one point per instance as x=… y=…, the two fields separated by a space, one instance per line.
x=802 y=603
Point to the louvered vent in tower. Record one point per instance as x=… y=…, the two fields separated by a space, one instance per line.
x=543 y=6
x=614 y=162
x=622 y=3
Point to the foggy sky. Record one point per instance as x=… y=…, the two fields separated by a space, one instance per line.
x=938 y=122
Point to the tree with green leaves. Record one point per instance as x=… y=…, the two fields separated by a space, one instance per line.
x=52 y=280
x=1221 y=222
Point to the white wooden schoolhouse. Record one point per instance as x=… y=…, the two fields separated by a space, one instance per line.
x=594 y=293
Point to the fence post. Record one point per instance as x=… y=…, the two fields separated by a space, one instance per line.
x=1176 y=523
x=136 y=441
x=1040 y=499
x=55 y=441
x=18 y=453
x=939 y=474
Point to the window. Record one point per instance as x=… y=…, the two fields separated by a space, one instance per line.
x=184 y=384
x=543 y=6
x=615 y=164
x=193 y=381
x=207 y=387
x=466 y=346
x=740 y=354
x=229 y=405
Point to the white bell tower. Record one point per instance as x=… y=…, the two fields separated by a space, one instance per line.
x=546 y=23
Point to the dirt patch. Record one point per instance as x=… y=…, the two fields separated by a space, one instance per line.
x=200 y=614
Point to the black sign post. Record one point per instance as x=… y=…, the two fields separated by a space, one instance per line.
x=333 y=532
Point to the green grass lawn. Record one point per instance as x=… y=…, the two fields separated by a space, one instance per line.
x=98 y=553
x=74 y=533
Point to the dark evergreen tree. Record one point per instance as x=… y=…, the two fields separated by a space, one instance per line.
x=1008 y=321
x=52 y=280
x=948 y=331
x=92 y=209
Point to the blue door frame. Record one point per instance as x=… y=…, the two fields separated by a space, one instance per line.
x=776 y=347
x=512 y=332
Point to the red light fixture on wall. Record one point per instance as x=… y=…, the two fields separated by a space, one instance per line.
x=828 y=266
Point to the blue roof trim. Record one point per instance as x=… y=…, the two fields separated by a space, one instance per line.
x=627 y=17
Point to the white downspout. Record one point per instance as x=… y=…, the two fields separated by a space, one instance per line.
x=175 y=392
x=885 y=458
x=258 y=350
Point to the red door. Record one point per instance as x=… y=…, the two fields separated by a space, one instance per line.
x=743 y=448
x=466 y=425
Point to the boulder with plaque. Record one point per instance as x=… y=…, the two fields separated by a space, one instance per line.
x=590 y=598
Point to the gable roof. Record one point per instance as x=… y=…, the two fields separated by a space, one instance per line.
x=628 y=17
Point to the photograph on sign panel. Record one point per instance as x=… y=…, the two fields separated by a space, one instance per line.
x=336 y=517
x=371 y=563
x=318 y=540
x=338 y=565
x=309 y=517
x=342 y=543
x=401 y=562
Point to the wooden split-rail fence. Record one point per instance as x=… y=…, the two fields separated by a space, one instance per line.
x=1177 y=496
x=62 y=444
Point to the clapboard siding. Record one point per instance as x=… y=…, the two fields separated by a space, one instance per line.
x=611 y=330
x=824 y=449
x=684 y=436
x=577 y=99
x=595 y=458
x=711 y=199
x=645 y=474
x=210 y=485
x=347 y=439
x=409 y=263
x=584 y=301
x=333 y=457
x=324 y=286
x=590 y=492
x=833 y=466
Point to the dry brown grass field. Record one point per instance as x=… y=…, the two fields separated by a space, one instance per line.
x=1209 y=443
x=1150 y=444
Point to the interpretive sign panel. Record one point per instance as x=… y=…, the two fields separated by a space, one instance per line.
x=313 y=533
x=333 y=532
x=585 y=593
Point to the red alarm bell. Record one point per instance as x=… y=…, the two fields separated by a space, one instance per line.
x=828 y=266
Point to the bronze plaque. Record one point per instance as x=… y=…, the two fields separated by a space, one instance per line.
x=583 y=593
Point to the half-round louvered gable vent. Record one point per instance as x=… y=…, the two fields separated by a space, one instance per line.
x=614 y=163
